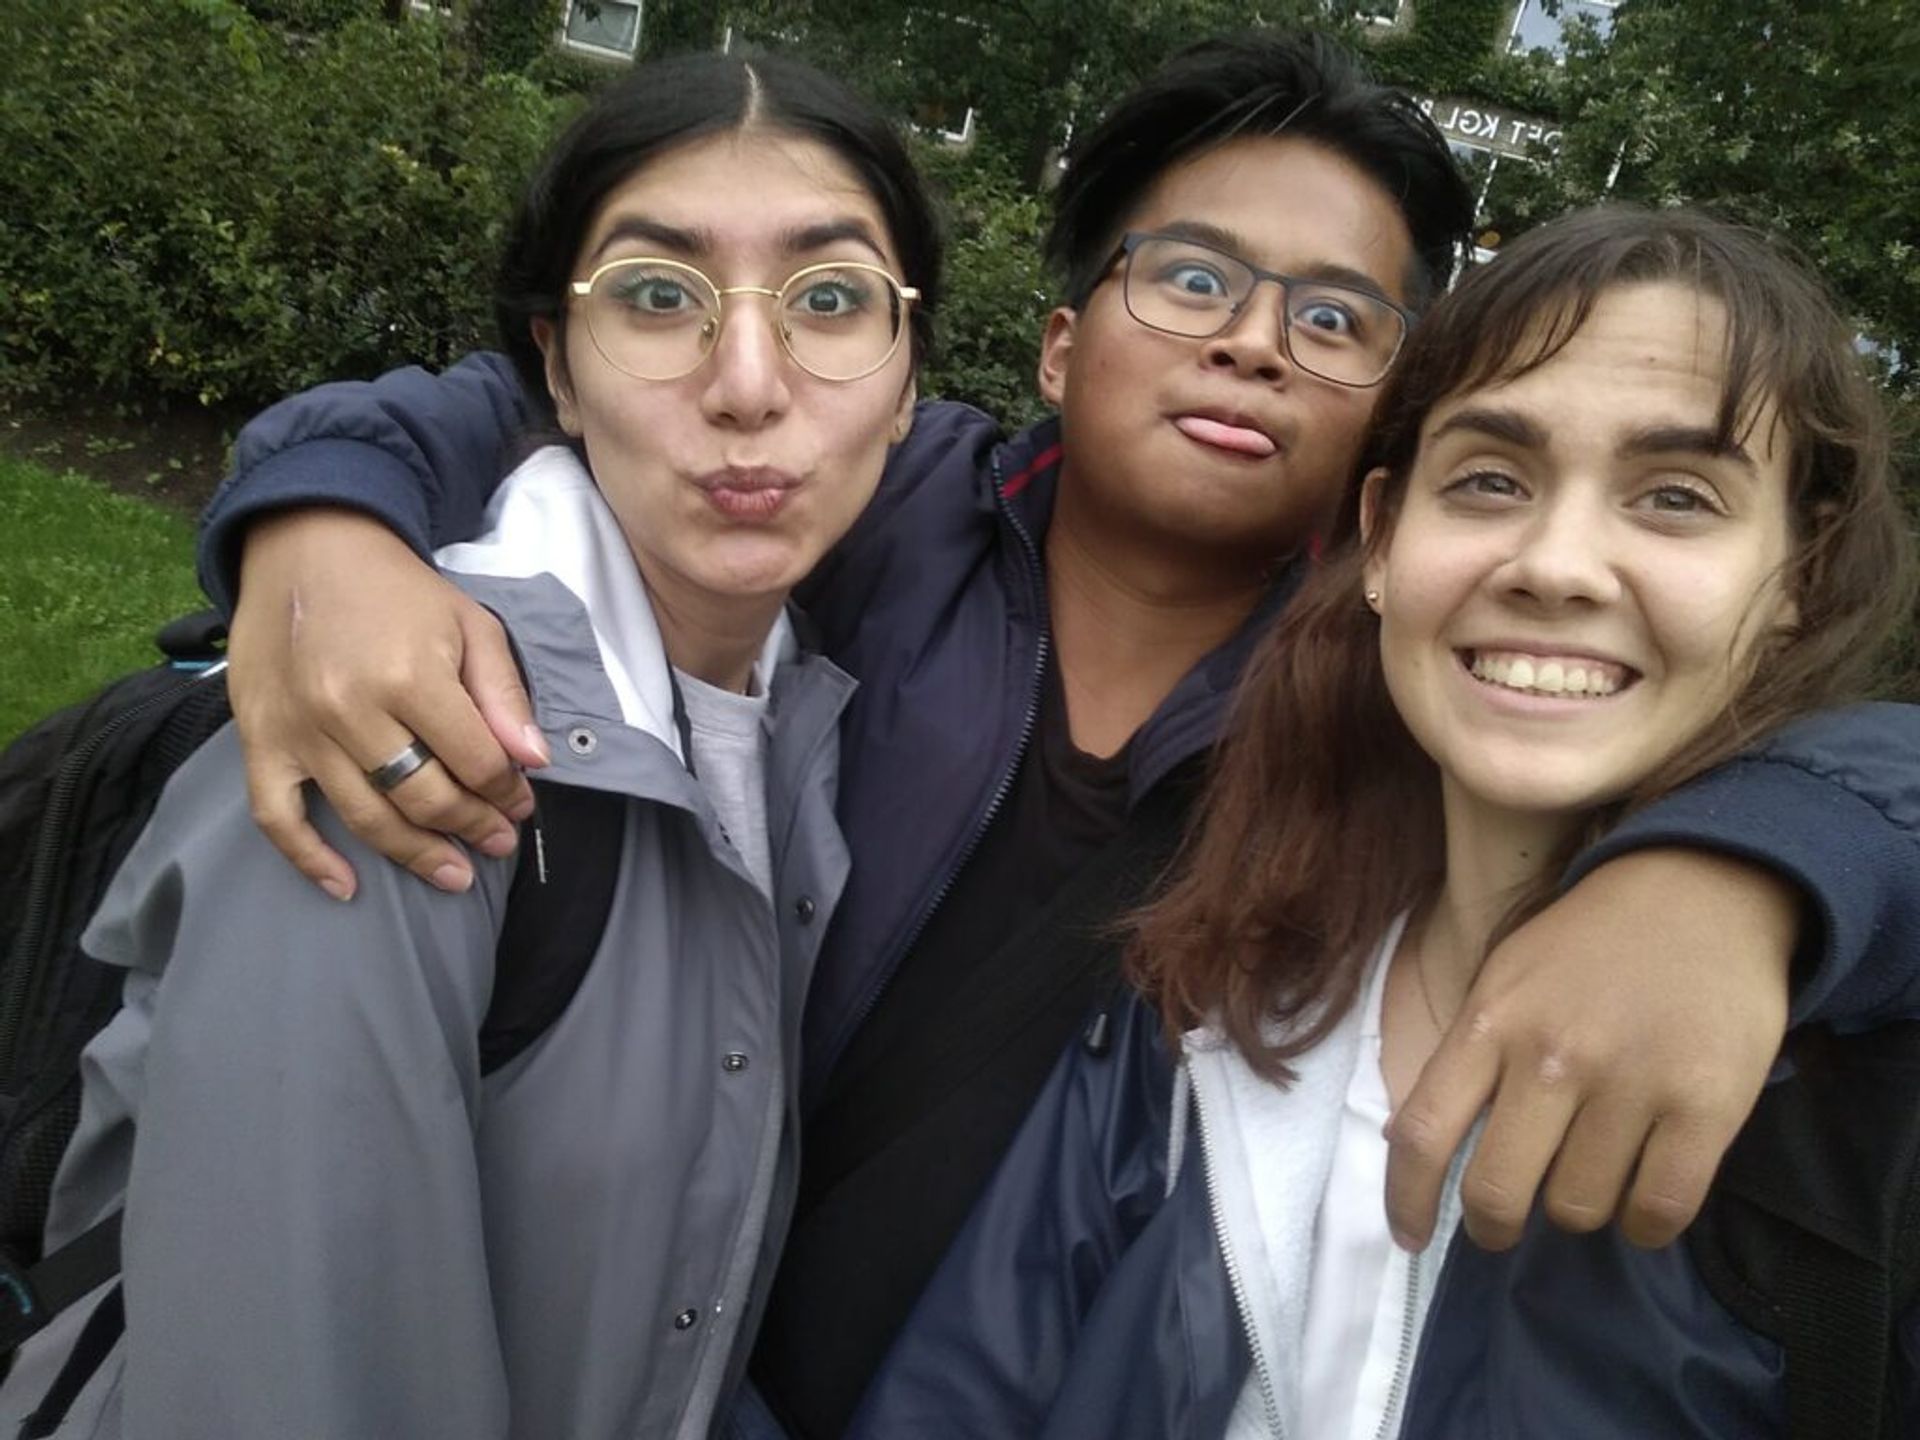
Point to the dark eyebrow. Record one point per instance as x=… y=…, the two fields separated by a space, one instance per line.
x=818 y=237
x=1331 y=272
x=1517 y=429
x=1508 y=425
x=1688 y=440
x=700 y=242
x=668 y=237
x=1202 y=233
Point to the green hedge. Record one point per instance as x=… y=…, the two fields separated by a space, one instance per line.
x=201 y=207
x=205 y=208
x=998 y=294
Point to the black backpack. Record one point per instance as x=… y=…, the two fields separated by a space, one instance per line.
x=75 y=793
x=1811 y=1234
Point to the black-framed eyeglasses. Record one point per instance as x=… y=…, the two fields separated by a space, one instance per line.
x=1183 y=287
x=658 y=319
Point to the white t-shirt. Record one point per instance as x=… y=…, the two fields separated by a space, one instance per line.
x=1364 y=1310
x=1358 y=1295
x=730 y=758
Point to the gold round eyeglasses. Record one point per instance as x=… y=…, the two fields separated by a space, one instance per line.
x=659 y=319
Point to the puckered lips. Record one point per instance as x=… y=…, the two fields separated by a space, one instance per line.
x=748 y=494
x=1233 y=432
x=1548 y=671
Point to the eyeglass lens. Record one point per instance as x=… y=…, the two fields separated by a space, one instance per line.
x=1333 y=331
x=659 y=319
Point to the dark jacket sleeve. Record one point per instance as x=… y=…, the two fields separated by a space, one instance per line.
x=1833 y=804
x=419 y=452
x=987 y=1348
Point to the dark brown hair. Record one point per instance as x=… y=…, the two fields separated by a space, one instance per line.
x=1322 y=819
x=661 y=105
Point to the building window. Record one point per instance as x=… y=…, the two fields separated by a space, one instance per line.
x=607 y=28
x=1543 y=24
x=1374 y=12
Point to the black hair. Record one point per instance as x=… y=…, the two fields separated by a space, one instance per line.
x=1260 y=82
x=666 y=103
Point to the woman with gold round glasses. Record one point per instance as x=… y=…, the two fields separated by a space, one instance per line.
x=398 y=1167
x=658 y=319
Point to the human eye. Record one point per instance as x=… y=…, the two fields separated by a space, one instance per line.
x=835 y=296
x=1485 y=487
x=655 y=292
x=1680 y=500
x=1329 y=318
x=1195 y=279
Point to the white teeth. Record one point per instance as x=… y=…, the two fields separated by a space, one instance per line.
x=1544 y=677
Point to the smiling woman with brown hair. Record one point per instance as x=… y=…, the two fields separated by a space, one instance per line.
x=1628 y=514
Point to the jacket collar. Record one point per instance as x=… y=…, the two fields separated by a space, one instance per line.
x=548 y=517
x=1026 y=479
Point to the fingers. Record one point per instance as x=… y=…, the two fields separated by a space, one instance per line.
x=475 y=791
x=378 y=820
x=493 y=680
x=279 y=807
x=1524 y=1131
x=345 y=648
x=1677 y=1167
x=1596 y=1164
x=1430 y=1126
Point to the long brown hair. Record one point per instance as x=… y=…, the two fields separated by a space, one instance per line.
x=1322 y=818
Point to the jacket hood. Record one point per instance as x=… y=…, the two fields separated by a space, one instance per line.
x=548 y=517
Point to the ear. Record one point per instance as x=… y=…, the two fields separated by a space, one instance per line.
x=559 y=386
x=1371 y=540
x=1056 y=354
x=903 y=413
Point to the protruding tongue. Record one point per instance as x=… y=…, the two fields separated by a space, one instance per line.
x=1237 y=438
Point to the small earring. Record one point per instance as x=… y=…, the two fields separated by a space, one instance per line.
x=1373 y=599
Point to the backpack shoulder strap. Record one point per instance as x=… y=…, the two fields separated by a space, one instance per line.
x=557 y=907
x=1811 y=1235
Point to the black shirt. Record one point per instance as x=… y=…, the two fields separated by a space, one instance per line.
x=886 y=1178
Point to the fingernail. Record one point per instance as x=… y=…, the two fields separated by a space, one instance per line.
x=453 y=878
x=1403 y=1239
x=338 y=889
x=521 y=808
x=537 y=743
x=499 y=843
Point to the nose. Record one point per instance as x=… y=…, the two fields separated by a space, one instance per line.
x=1561 y=555
x=1254 y=344
x=746 y=376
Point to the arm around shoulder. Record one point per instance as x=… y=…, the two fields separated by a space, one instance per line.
x=420 y=452
x=1832 y=804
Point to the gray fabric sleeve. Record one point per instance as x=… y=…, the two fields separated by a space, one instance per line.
x=303 y=1252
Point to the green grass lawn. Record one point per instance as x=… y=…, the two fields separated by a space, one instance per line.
x=87 y=576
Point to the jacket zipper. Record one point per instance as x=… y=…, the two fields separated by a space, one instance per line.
x=1027 y=723
x=1403 y=1367
x=52 y=842
x=1269 y=1401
